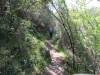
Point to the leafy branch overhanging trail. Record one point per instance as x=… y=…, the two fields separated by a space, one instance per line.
x=61 y=21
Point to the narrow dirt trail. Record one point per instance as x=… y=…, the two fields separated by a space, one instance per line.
x=56 y=66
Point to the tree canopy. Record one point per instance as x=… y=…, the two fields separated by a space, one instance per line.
x=24 y=26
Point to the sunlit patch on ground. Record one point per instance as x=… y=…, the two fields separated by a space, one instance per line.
x=56 y=66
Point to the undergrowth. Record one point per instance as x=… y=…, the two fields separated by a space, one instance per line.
x=24 y=56
x=65 y=56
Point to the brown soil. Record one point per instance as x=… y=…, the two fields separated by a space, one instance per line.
x=56 y=66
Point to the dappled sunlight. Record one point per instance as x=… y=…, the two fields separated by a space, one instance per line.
x=49 y=44
x=56 y=66
x=63 y=54
x=48 y=37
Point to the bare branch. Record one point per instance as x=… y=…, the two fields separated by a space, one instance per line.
x=62 y=23
x=88 y=2
x=77 y=2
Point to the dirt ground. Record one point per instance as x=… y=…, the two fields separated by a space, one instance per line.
x=56 y=67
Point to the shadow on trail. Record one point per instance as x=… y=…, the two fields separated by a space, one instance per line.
x=49 y=44
x=56 y=66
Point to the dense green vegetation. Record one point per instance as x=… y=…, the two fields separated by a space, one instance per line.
x=24 y=26
x=80 y=38
x=22 y=46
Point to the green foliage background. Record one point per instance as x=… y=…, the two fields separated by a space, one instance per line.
x=24 y=27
